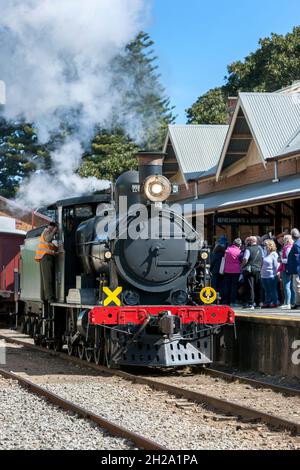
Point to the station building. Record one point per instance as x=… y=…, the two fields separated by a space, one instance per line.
x=24 y=219
x=246 y=173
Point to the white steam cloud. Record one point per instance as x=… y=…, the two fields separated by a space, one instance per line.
x=44 y=187
x=55 y=59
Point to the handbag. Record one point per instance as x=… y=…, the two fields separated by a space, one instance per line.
x=222 y=266
x=247 y=268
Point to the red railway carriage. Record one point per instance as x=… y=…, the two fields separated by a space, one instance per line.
x=10 y=241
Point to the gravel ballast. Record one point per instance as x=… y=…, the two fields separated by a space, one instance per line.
x=155 y=415
x=30 y=422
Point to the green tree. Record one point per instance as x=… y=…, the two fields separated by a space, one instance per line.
x=274 y=65
x=112 y=153
x=143 y=112
x=20 y=154
x=209 y=108
x=145 y=109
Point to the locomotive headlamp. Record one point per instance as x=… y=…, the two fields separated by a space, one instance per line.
x=157 y=188
x=107 y=255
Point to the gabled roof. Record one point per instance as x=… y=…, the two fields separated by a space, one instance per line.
x=293 y=145
x=197 y=148
x=295 y=86
x=271 y=119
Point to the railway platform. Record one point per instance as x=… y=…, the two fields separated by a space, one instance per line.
x=267 y=341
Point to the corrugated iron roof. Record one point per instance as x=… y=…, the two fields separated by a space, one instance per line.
x=273 y=118
x=290 y=88
x=245 y=196
x=197 y=147
x=293 y=145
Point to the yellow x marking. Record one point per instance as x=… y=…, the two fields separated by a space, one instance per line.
x=112 y=296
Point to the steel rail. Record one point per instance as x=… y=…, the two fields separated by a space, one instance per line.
x=224 y=406
x=253 y=382
x=66 y=405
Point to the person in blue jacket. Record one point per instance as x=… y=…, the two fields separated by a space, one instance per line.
x=293 y=266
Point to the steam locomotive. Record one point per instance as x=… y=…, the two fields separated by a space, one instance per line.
x=126 y=284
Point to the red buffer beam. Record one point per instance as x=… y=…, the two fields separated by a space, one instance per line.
x=207 y=315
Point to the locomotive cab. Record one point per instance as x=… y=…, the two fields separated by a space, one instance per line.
x=70 y=214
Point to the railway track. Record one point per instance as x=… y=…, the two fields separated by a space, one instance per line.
x=66 y=405
x=233 y=377
x=221 y=405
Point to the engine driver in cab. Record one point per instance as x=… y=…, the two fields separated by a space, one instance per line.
x=45 y=256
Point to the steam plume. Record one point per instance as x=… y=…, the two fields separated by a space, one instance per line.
x=54 y=58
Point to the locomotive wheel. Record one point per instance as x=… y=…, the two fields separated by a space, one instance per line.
x=36 y=333
x=71 y=349
x=98 y=356
x=29 y=326
x=89 y=354
x=23 y=326
x=57 y=346
x=37 y=340
x=32 y=326
x=81 y=350
x=50 y=345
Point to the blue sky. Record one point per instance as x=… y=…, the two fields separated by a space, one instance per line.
x=196 y=39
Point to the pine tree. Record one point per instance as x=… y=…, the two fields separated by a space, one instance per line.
x=143 y=113
x=112 y=153
x=20 y=154
x=145 y=110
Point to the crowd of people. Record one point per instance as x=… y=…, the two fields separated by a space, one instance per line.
x=261 y=272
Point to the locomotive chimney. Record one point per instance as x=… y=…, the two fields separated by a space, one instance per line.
x=150 y=164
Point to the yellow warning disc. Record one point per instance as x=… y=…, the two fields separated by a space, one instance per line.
x=208 y=295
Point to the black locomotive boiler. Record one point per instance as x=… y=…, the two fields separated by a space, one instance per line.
x=125 y=278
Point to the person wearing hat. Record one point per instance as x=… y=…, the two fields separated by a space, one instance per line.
x=232 y=271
